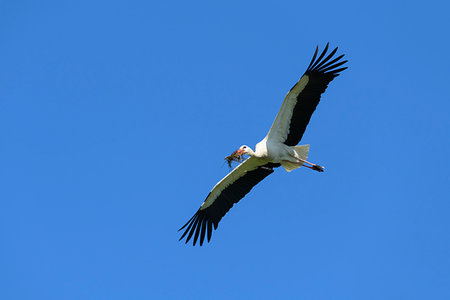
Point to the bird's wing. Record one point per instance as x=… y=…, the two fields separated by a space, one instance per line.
x=225 y=193
x=301 y=101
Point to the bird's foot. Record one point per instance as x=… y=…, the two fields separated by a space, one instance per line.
x=318 y=168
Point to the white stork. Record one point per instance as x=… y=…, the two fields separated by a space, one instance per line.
x=277 y=148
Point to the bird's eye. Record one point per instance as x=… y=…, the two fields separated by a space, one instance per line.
x=244 y=147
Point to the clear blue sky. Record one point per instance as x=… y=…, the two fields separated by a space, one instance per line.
x=115 y=118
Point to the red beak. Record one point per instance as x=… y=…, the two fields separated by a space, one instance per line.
x=239 y=152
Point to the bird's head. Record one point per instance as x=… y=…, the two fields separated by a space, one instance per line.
x=244 y=149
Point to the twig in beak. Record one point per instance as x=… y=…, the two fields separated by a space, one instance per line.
x=234 y=157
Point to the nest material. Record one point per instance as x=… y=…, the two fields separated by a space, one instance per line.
x=234 y=157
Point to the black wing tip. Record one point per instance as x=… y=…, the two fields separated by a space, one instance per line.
x=201 y=226
x=324 y=65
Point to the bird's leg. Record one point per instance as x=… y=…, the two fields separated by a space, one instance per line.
x=315 y=167
x=304 y=163
x=311 y=166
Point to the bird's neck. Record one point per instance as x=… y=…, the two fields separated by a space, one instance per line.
x=251 y=152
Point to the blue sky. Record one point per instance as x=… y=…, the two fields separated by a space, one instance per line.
x=115 y=118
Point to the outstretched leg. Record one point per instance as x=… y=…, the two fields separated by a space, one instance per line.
x=315 y=167
x=304 y=163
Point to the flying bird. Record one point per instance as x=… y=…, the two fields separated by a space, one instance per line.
x=278 y=148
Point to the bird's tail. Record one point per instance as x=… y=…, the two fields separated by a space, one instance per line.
x=301 y=152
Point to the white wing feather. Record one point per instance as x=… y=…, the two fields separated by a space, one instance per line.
x=280 y=127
